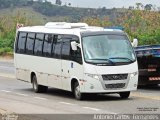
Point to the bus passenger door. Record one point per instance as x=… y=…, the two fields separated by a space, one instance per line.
x=54 y=76
x=65 y=63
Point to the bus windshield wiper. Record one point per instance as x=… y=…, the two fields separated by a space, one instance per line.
x=109 y=61
x=125 y=58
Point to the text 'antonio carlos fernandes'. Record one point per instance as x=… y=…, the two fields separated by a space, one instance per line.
x=126 y=117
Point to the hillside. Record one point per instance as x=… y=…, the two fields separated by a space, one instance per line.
x=31 y=14
x=141 y=24
x=72 y=14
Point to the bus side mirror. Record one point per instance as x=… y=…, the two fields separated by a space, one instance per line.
x=74 y=45
x=135 y=43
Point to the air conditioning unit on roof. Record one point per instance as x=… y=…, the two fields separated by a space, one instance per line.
x=64 y=25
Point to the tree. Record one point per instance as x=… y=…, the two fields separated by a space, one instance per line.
x=131 y=8
x=104 y=22
x=69 y=4
x=103 y=9
x=30 y=2
x=141 y=24
x=58 y=2
x=148 y=7
x=138 y=5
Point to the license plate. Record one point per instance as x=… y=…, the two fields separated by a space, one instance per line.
x=152 y=70
x=154 y=78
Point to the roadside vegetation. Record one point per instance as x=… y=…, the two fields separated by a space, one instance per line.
x=8 y=26
x=141 y=22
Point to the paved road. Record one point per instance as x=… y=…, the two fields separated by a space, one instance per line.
x=6 y=67
x=17 y=96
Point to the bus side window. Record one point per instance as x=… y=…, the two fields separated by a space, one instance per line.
x=38 y=44
x=66 y=48
x=54 y=44
x=30 y=43
x=56 y=52
x=21 y=42
x=47 y=47
x=16 y=42
x=76 y=55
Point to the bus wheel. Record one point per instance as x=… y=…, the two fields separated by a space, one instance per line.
x=124 y=95
x=38 y=88
x=77 y=93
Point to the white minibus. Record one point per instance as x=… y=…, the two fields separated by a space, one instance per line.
x=76 y=57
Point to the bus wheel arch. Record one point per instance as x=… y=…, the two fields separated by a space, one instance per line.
x=36 y=87
x=32 y=75
x=73 y=81
x=76 y=89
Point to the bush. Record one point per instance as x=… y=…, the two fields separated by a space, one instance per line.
x=6 y=43
x=6 y=51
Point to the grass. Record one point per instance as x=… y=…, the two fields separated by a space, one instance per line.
x=35 y=17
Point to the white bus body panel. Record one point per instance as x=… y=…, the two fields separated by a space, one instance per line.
x=48 y=73
x=71 y=70
x=131 y=84
x=58 y=73
x=53 y=72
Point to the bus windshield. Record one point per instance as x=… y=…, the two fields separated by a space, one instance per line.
x=108 y=49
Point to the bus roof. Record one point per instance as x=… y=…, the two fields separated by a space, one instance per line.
x=65 y=28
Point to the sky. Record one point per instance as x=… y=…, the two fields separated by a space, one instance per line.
x=108 y=3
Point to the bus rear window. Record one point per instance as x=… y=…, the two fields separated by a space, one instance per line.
x=21 y=42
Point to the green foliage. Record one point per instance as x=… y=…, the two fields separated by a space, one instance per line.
x=148 y=39
x=141 y=24
x=8 y=30
x=97 y=21
x=6 y=51
x=6 y=43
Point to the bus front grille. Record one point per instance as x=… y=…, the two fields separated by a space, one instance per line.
x=115 y=77
x=113 y=86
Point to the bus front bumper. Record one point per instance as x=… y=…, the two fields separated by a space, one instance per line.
x=97 y=86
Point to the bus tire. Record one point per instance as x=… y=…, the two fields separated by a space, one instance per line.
x=124 y=95
x=77 y=93
x=38 y=88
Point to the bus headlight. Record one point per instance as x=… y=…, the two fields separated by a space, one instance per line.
x=132 y=75
x=92 y=76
